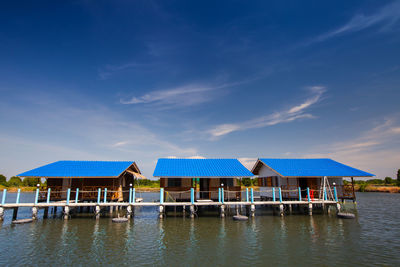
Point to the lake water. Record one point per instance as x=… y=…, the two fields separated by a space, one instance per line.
x=293 y=240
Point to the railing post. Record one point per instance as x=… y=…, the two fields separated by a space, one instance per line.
x=3 y=200
x=68 y=195
x=48 y=195
x=252 y=195
x=280 y=194
x=18 y=194
x=192 y=195
x=273 y=194
x=219 y=194
x=299 y=193
x=133 y=195
x=161 y=195
x=247 y=194
x=308 y=194
x=325 y=194
x=335 y=192
x=37 y=196
x=222 y=195
x=98 y=196
x=77 y=195
x=105 y=195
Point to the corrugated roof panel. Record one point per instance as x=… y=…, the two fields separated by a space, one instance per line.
x=69 y=168
x=200 y=168
x=313 y=167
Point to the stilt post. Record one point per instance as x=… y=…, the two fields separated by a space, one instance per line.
x=18 y=195
x=37 y=194
x=48 y=195
x=130 y=193
x=273 y=194
x=299 y=193
x=335 y=193
x=3 y=200
x=161 y=195
x=192 y=195
x=68 y=195
x=98 y=195
x=77 y=195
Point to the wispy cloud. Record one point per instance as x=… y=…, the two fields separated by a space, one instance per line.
x=376 y=150
x=294 y=113
x=108 y=71
x=387 y=16
x=186 y=95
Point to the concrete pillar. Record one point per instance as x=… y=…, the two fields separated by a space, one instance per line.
x=34 y=213
x=338 y=207
x=290 y=209
x=192 y=212
x=161 y=209
x=97 y=212
x=1 y=214
x=281 y=210
x=253 y=210
x=111 y=209
x=184 y=210
x=129 y=211
x=310 y=209
x=66 y=212
x=222 y=211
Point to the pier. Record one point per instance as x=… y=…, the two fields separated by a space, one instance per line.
x=249 y=199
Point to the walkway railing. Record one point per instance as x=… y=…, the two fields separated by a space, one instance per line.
x=249 y=195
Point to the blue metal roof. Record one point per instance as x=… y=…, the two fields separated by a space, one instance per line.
x=198 y=168
x=313 y=167
x=79 y=169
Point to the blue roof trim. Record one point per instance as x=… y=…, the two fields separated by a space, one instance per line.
x=79 y=169
x=313 y=167
x=198 y=168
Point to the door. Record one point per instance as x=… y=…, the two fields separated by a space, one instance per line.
x=205 y=188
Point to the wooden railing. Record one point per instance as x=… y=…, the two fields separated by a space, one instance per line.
x=85 y=193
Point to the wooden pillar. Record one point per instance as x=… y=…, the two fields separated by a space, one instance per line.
x=310 y=208
x=352 y=186
x=15 y=214
x=46 y=212
x=222 y=211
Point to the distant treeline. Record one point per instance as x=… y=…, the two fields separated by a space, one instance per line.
x=16 y=181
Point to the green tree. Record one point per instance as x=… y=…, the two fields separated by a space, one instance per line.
x=246 y=182
x=15 y=181
x=388 y=180
x=3 y=180
x=30 y=181
x=398 y=176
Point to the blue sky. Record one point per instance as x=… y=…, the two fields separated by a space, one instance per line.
x=139 y=80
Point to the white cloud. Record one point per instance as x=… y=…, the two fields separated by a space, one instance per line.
x=376 y=150
x=386 y=16
x=294 y=113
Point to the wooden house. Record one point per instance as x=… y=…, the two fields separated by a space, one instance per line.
x=316 y=174
x=178 y=176
x=88 y=176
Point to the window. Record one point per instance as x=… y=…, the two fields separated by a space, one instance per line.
x=174 y=182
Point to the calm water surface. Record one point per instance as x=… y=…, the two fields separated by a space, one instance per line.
x=372 y=239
